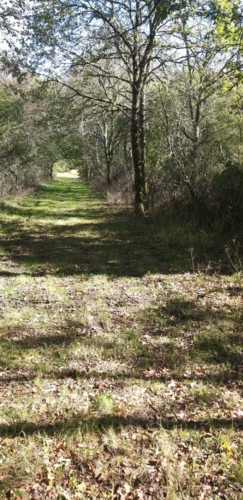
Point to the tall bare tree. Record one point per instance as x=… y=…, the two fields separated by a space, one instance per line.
x=84 y=33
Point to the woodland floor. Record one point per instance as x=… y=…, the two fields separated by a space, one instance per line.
x=121 y=358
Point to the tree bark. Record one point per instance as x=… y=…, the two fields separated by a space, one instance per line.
x=136 y=154
x=136 y=118
x=143 y=141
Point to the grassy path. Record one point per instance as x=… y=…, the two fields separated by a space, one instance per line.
x=66 y=229
x=121 y=375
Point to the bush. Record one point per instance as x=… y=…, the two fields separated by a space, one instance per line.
x=227 y=195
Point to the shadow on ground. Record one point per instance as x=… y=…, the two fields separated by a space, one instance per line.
x=67 y=229
x=163 y=344
x=105 y=422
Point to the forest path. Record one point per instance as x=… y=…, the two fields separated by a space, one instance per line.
x=66 y=228
x=118 y=371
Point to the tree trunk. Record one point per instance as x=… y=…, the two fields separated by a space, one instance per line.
x=108 y=154
x=135 y=118
x=143 y=140
x=136 y=153
x=50 y=172
x=108 y=169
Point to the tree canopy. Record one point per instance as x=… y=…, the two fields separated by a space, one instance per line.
x=113 y=55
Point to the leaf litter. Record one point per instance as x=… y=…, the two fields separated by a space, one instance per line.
x=119 y=387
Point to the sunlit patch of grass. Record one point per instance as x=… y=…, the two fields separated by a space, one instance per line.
x=21 y=459
x=53 y=289
x=104 y=405
x=162 y=444
x=17 y=283
x=238 y=472
x=16 y=317
x=113 y=442
x=9 y=354
x=15 y=413
x=204 y=394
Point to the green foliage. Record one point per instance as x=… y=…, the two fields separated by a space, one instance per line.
x=187 y=125
x=227 y=190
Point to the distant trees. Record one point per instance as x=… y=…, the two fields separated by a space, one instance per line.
x=104 y=124
x=129 y=33
x=30 y=133
x=16 y=152
x=194 y=107
x=145 y=90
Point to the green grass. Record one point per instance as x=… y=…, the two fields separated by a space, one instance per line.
x=120 y=368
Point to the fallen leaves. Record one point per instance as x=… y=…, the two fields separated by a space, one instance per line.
x=118 y=387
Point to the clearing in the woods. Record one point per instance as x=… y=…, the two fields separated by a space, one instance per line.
x=121 y=358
